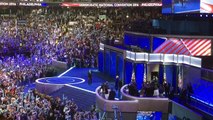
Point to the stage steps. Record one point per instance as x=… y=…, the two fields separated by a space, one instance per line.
x=83 y=99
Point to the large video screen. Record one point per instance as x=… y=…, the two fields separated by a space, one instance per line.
x=206 y=6
x=181 y=6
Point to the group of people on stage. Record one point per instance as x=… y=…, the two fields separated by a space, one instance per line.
x=154 y=89
x=109 y=91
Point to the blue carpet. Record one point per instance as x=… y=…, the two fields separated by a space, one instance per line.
x=97 y=78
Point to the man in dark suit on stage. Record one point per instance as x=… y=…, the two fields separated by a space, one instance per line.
x=116 y=82
x=90 y=77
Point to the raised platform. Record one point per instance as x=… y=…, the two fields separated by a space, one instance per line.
x=73 y=77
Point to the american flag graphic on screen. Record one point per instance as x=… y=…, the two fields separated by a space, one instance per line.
x=191 y=47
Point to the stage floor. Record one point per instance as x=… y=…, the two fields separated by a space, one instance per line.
x=78 y=78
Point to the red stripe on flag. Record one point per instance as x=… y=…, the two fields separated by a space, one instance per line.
x=179 y=48
x=163 y=46
x=185 y=52
x=192 y=44
x=179 y=51
x=201 y=47
x=158 y=50
x=176 y=47
x=186 y=41
x=172 y=43
x=206 y=52
x=197 y=46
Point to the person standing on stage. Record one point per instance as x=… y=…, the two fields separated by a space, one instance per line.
x=116 y=82
x=90 y=77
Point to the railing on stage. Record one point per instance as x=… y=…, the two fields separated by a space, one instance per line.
x=130 y=105
x=148 y=103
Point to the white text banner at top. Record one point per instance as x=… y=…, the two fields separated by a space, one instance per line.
x=105 y=4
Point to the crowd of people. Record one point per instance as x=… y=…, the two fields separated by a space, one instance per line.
x=30 y=39
x=28 y=45
x=34 y=105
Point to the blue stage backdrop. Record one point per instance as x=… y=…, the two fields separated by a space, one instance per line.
x=137 y=40
x=139 y=75
x=175 y=76
x=161 y=72
x=107 y=62
x=171 y=75
x=128 y=71
x=113 y=64
x=120 y=67
x=101 y=61
x=157 y=42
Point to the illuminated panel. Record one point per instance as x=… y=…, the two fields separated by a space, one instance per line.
x=165 y=58
x=21 y=4
x=156 y=57
x=141 y=56
x=180 y=59
x=101 y=46
x=180 y=6
x=170 y=58
x=130 y=55
x=196 y=61
x=206 y=6
x=110 y=4
x=186 y=60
